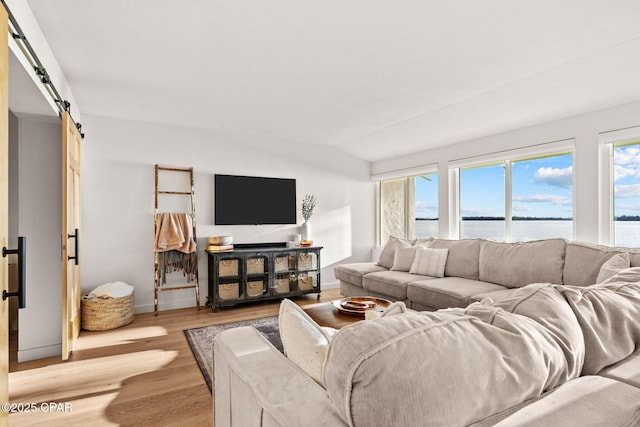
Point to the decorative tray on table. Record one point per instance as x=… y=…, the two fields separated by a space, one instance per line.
x=356 y=306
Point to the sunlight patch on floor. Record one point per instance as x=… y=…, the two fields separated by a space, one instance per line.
x=86 y=377
x=88 y=340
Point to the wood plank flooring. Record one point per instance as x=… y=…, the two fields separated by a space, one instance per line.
x=140 y=374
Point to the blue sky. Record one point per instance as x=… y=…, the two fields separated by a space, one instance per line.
x=627 y=180
x=541 y=188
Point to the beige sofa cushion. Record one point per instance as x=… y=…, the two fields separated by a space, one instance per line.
x=500 y=364
x=613 y=266
x=586 y=401
x=518 y=264
x=390 y=283
x=447 y=292
x=462 y=258
x=547 y=306
x=628 y=275
x=627 y=370
x=583 y=262
x=609 y=317
x=352 y=273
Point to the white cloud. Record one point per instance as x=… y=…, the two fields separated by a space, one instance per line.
x=635 y=207
x=555 y=176
x=425 y=205
x=627 y=191
x=543 y=198
x=620 y=172
x=626 y=162
x=522 y=208
x=480 y=212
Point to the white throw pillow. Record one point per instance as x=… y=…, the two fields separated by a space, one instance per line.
x=429 y=262
x=305 y=342
x=613 y=266
x=403 y=257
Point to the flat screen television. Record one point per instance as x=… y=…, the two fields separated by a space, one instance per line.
x=242 y=200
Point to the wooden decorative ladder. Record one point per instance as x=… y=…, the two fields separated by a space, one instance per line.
x=157 y=285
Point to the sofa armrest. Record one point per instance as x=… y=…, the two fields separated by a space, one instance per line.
x=256 y=385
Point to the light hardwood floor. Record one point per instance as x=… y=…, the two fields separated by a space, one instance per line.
x=140 y=374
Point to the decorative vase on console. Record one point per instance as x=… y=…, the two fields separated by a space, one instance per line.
x=308 y=204
x=304 y=231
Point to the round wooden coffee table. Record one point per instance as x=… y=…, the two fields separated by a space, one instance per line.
x=326 y=314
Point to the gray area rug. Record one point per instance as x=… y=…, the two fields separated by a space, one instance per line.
x=201 y=339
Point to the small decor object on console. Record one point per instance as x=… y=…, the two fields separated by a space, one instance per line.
x=308 y=204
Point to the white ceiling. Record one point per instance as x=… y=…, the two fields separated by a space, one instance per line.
x=24 y=96
x=375 y=78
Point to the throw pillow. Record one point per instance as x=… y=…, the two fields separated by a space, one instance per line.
x=613 y=266
x=305 y=342
x=429 y=262
x=403 y=257
x=388 y=252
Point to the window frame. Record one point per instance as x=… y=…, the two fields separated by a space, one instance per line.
x=506 y=158
x=608 y=141
x=399 y=174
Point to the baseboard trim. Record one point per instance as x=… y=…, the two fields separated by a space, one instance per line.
x=189 y=303
x=39 y=353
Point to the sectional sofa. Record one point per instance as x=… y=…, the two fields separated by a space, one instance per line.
x=556 y=352
x=479 y=268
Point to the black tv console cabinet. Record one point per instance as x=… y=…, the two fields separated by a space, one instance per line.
x=254 y=272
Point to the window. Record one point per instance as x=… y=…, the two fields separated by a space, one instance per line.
x=626 y=193
x=426 y=208
x=518 y=199
x=542 y=191
x=409 y=207
x=482 y=202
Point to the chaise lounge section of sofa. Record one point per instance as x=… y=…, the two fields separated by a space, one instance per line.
x=552 y=355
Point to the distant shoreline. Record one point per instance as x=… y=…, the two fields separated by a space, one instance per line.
x=528 y=218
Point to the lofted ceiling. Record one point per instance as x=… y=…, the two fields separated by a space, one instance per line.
x=377 y=79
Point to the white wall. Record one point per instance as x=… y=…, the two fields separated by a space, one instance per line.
x=585 y=129
x=14 y=192
x=118 y=199
x=38 y=209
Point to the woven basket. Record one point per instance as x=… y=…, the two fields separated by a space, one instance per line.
x=255 y=266
x=229 y=267
x=229 y=291
x=305 y=262
x=283 y=263
x=102 y=314
x=281 y=285
x=255 y=288
x=306 y=283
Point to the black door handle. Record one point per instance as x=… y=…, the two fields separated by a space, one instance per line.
x=22 y=272
x=76 y=256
